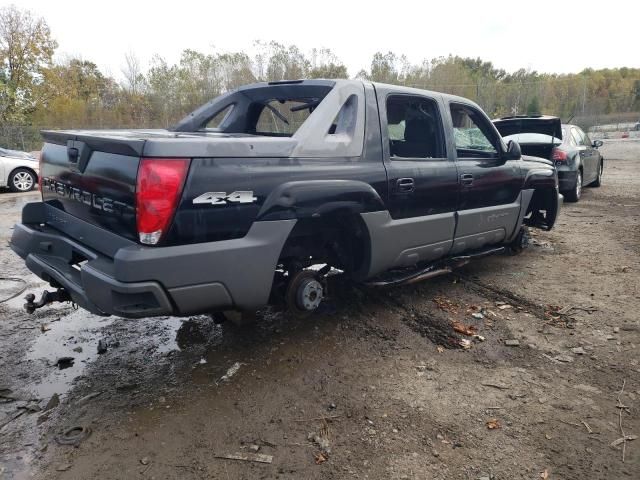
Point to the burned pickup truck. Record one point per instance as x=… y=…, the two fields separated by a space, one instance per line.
x=259 y=195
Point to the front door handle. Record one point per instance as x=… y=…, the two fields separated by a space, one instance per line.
x=405 y=185
x=466 y=179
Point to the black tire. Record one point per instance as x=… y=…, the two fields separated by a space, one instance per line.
x=575 y=193
x=22 y=180
x=598 y=181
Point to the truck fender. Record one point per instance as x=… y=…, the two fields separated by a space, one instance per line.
x=540 y=178
x=319 y=198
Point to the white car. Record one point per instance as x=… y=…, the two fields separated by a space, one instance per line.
x=18 y=170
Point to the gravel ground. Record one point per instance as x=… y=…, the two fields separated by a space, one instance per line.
x=375 y=386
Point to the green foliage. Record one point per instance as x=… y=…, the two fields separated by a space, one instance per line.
x=26 y=48
x=534 y=106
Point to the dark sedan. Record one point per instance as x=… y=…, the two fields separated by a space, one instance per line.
x=577 y=158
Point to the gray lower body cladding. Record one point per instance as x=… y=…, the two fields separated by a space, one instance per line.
x=408 y=241
x=143 y=281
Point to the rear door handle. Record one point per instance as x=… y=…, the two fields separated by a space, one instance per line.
x=405 y=185
x=466 y=179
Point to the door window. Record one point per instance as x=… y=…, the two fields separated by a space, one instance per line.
x=473 y=135
x=414 y=127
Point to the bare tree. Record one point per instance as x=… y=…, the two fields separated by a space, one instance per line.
x=133 y=75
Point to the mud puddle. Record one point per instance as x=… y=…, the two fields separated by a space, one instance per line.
x=71 y=343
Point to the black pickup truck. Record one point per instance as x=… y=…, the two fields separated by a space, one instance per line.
x=259 y=195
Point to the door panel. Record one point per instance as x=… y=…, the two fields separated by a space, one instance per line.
x=489 y=201
x=422 y=182
x=592 y=159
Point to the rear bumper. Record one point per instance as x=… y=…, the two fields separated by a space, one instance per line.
x=144 y=281
x=567 y=179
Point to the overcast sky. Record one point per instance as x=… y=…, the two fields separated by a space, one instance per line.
x=548 y=36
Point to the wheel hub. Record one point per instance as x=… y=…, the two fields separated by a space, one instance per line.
x=310 y=294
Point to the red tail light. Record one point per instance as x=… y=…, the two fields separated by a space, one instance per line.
x=558 y=155
x=159 y=185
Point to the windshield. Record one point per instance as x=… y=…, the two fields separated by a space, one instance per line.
x=533 y=138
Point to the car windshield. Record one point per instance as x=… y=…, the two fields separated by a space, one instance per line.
x=533 y=138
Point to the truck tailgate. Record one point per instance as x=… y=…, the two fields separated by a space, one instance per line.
x=93 y=179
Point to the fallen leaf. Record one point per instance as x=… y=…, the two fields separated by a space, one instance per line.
x=320 y=457
x=493 y=424
x=620 y=440
x=544 y=475
x=469 y=330
x=464 y=343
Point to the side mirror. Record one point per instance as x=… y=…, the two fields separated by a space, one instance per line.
x=513 y=151
x=597 y=143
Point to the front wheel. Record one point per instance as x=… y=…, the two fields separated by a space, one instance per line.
x=21 y=180
x=574 y=194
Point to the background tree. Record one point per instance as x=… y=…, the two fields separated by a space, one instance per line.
x=26 y=48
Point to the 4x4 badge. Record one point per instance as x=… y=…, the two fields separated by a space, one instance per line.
x=221 y=198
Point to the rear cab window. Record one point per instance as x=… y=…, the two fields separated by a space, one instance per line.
x=284 y=116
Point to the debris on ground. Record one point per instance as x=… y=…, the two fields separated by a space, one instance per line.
x=102 y=346
x=53 y=402
x=564 y=358
x=465 y=344
x=144 y=460
x=64 y=362
x=247 y=457
x=320 y=457
x=469 y=330
x=63 y=468
x=445 y=304
x=73 y=436
x=321 y=439
x=512 y=342
x=621 y=440
x=578 y=351
x=88 y=397
x=233 y=369
x=493 y=424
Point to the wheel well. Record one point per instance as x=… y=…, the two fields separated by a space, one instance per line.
x=339 y=239
x=542 y=209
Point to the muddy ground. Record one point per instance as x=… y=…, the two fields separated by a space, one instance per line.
x=373 y=387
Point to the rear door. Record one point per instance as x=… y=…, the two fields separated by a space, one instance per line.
x=584 y=152
x=422 y=178
x=490 y=188
x=591 y=157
